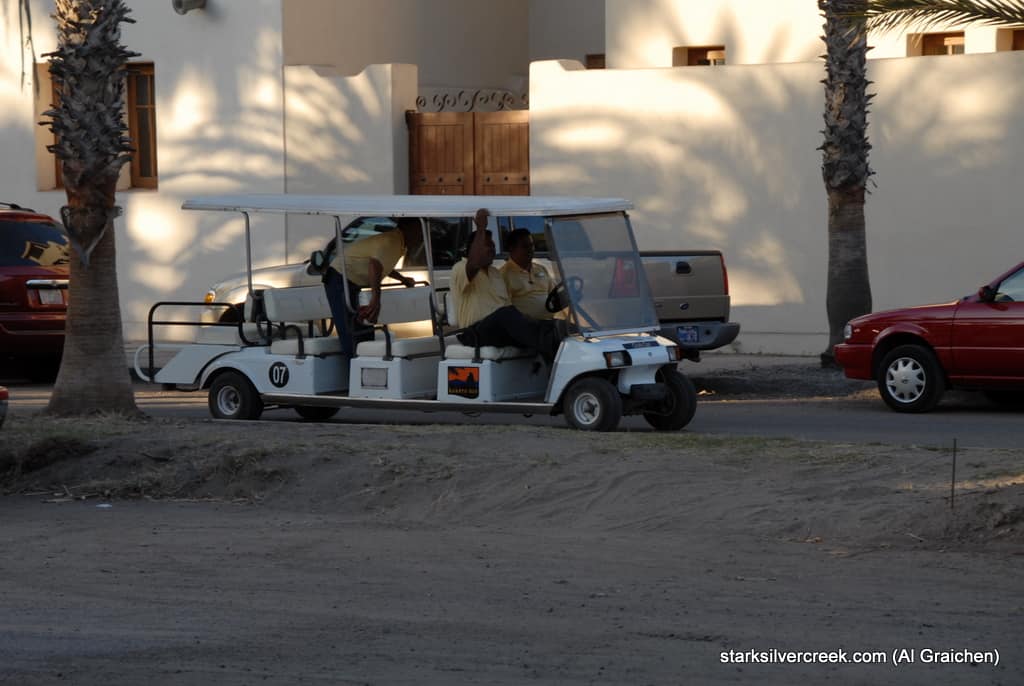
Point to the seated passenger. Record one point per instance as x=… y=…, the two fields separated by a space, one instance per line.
x=485 y=308
x=528 y=283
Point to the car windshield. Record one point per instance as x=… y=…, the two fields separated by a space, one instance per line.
x=597 y=258
x=32 y=244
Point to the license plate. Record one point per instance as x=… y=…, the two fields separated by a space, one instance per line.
x=688 y=334
x=51 y=297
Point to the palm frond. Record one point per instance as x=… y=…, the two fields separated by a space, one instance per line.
x=892 y=15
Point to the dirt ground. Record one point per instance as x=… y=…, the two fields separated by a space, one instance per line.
x=202 y=552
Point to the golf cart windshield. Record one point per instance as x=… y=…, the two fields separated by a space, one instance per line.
x=602 y=272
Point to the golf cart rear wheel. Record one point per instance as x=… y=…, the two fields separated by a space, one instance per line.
x=316 y=414
x=592 y=404
x=679 y=405
x=232 y=396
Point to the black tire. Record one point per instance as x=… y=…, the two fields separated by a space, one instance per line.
x=592 y=404
x=1008 y=399
x=233 y=315
x=232 y=396
x=316 y=414
x=678 y=408
x=910 y=379
x=42 y=370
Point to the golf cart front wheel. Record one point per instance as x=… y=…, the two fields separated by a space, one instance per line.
x=679 y=405
x=232 y=396
x=592 y=404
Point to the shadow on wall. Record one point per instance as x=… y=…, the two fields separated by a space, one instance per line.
x=339 y=137
x=689 y=149
x=726 y=157
x=219 y=128
x=775 y=32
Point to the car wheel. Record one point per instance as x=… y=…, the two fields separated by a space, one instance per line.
x=592 y=404
x=232 y=396
x=679 y=406
x=316 y=414
x=910 y=379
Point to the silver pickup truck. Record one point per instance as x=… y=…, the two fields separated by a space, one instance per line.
x=690 y=289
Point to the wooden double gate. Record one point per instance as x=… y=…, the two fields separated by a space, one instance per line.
x=469 y=153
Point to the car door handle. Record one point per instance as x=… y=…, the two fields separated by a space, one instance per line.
x=683 y=268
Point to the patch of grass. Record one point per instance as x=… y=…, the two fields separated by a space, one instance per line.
x=48 y=451
x=234 y=465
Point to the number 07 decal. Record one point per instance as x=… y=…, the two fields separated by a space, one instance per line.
x=279 y=374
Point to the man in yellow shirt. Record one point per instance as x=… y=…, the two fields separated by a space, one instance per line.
x=485 y=308
x=366 y=263
x=528 y=283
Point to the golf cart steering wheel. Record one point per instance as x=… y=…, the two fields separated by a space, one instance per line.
x=558 y=298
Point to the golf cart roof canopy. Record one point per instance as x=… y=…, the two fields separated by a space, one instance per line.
x=408 y=205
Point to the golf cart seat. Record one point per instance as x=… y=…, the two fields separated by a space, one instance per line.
x=398 y=367
x=298 y=314
x=470 y=374
x=455 y=350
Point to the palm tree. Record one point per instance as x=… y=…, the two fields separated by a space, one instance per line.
x=88 y=72
x=844 y=166
x=889 y=15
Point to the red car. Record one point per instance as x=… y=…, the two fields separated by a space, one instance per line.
x=33 y=290
x=975 y=343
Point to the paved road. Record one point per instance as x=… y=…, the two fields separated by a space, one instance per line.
x=969 y=420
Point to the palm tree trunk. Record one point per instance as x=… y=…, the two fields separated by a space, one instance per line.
x=88 y=70
x=845 y=168
x=848 y=292
x=93 y=372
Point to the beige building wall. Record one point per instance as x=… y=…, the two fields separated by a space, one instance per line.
x=641 y=34
x=455 y=43
x=220 y=128
x=726 y=158
x=566 y=29
x=344 y=135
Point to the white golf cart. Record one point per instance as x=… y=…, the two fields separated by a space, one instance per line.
x=283 y=352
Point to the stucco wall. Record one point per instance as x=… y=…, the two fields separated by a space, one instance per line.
x=566 y=29
x=219 y=129
x=726 y=158
x=641 y=33
x=456 y=43
x=345 y=135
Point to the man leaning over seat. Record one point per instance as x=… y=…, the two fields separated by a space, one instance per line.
x=366 y=263
x=485 y=308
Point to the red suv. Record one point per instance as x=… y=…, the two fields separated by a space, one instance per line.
x=33 y=290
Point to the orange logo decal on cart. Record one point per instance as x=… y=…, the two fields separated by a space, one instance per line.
x=464 y=381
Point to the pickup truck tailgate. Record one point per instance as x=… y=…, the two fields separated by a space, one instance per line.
x=691 y=298
x=687 y=287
